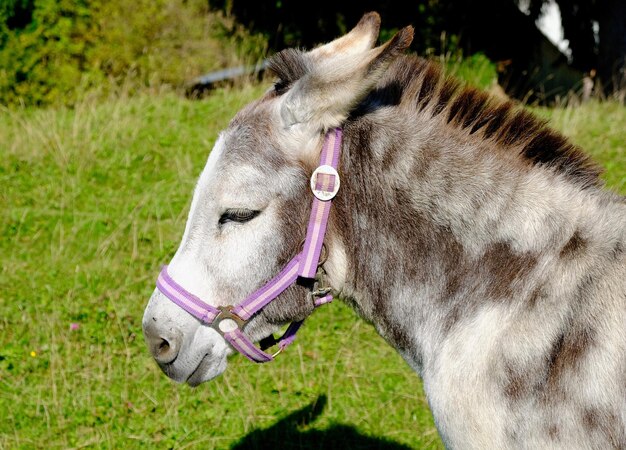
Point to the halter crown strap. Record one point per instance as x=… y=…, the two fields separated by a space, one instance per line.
x=324 y=184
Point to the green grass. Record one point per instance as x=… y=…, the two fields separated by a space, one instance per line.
x=600 y=129
x=93 y=201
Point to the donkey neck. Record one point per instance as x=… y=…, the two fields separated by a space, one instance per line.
x=435 y=225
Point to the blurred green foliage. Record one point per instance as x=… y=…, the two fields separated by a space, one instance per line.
x=57 y=51
x=45 y=57
x=476 y=70
x=52 y=51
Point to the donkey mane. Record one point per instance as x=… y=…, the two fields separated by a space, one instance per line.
x=423 y=83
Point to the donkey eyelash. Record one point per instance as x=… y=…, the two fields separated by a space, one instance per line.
x=238 y=215
x=281 y=86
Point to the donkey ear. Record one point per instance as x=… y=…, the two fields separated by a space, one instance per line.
x=324 y=97
x=361 y=38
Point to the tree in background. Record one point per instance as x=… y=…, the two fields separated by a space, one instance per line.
x=52 y=51
x=38 y=43
x=612 y=30
x=530 y=65
x=596 y=31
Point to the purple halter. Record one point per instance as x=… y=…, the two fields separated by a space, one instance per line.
x=306 y=264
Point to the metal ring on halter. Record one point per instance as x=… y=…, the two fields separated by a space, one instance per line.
x=323 y=255
x=226 y=313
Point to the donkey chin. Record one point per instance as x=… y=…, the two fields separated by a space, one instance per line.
x=194 y=356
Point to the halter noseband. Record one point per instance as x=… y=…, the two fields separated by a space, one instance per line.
x=230 y=320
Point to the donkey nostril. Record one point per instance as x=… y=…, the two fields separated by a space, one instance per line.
x=164 y=350
x=164 y=341
x=164 y=347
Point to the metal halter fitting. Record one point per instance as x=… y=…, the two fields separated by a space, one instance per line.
x=230 y=320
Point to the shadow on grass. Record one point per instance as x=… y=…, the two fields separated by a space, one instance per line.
x=287 y=434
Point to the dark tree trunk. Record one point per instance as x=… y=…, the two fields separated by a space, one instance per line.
x=577 y=22
x=531 y=68
x=612 y=51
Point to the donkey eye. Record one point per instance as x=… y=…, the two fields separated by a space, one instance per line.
x=239 y=215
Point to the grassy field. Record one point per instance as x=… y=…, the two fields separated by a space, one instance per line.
x=93 y=201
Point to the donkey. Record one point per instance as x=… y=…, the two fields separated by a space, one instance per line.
x=481 y=244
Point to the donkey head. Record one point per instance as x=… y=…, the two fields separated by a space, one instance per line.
x=250 y=208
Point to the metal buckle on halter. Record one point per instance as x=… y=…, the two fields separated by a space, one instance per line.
x=330 y=173
x=226 y=313
x=320 y=288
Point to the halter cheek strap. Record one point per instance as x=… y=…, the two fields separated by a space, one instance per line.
x=229 y=321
